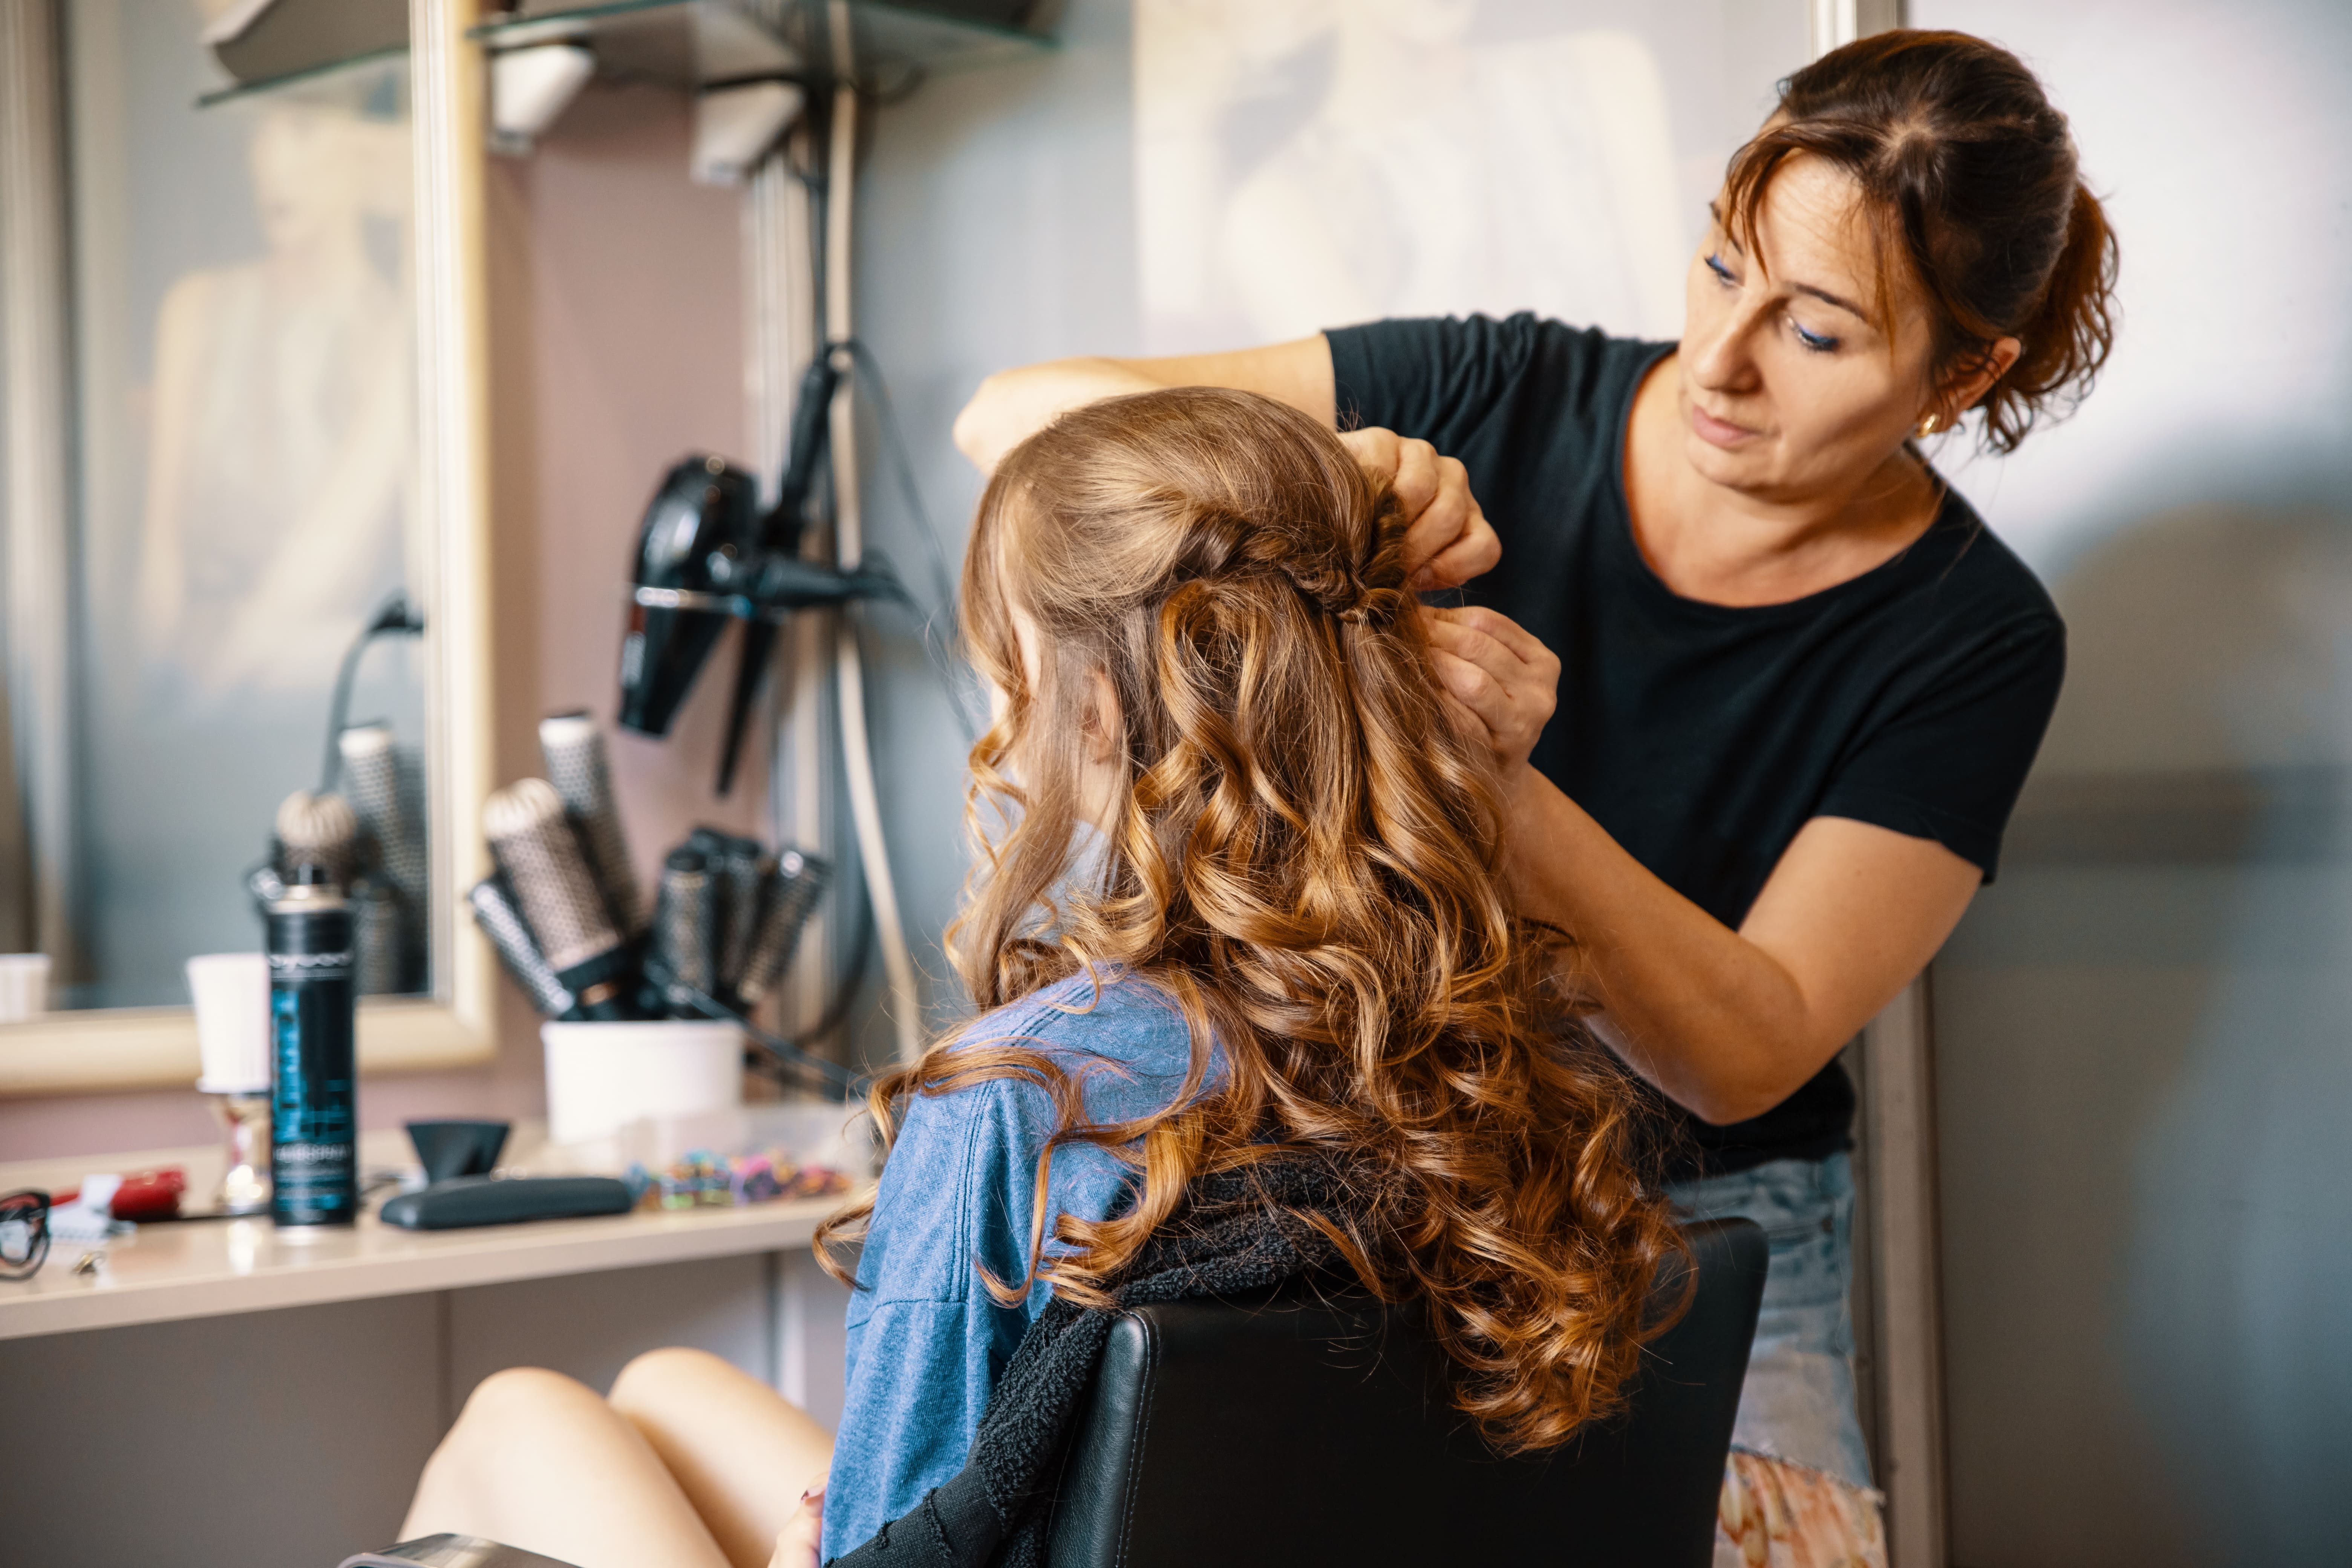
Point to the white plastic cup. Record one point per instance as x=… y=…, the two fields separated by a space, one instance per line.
x=23 y=987
x=601 y=1077
x=232 y=996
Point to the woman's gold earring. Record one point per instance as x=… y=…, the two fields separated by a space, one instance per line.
x=1928 y=425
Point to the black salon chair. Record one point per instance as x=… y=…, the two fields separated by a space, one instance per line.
x=1306 y=1432
x=1302 y=1433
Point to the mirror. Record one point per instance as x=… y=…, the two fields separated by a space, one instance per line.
x=243 y=399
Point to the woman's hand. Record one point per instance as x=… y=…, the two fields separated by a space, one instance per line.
x=802 y=1538
x=1447 y=539
x=1500 y=675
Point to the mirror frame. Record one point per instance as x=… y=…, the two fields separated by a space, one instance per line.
x=153 y=1048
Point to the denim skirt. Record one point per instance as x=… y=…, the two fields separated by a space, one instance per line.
x=1798 y=1404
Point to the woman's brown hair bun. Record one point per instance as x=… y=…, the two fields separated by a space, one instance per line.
x=1968 y=174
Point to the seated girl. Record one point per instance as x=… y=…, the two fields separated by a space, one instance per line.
x=1243 y=948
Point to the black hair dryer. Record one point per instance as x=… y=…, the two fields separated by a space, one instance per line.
x=707 y=555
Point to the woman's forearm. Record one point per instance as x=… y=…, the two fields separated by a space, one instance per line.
x=1715 y=1022
x=1447 y=541
x=1730 y=1023
x=1013 y=405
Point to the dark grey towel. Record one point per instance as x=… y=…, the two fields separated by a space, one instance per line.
x=1236 y=1232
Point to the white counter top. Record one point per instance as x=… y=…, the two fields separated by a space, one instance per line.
x=206 y=1267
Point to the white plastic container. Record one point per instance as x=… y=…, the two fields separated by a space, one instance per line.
x=601 y=1077
x=232 y=997
x=23 y=987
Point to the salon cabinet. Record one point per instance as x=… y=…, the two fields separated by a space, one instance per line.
x=216 y=1395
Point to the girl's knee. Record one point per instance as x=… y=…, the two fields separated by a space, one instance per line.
x=506 y=1421
x=651 y=1376
x=523 y=1396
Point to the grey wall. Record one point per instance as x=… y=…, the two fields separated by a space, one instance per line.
x=996 y=227
x=2144 y=1029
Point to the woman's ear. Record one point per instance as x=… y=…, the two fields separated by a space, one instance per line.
x=1101 y=729
x=1099 y=738
x=1965 y=383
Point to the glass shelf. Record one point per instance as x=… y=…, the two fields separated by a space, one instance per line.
x=896 y=42
x=324 y=71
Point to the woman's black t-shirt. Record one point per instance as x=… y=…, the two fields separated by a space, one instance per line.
x=1701 y=736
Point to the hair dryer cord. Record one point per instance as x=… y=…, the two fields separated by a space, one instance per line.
x=392 y=615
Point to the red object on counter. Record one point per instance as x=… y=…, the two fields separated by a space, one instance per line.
x=149 y=1194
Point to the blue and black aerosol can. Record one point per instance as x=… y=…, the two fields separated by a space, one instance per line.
x=314 y=1104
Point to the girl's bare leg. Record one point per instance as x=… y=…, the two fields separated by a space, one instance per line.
x=538 y=1461
x=740 y=1452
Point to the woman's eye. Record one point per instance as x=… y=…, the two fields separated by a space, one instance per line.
x=1722 y=273
x=1814 y=342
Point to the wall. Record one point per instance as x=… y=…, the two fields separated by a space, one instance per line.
x=616 y=312
x=2142 y=1051
x=616 y=323
x=996 y=227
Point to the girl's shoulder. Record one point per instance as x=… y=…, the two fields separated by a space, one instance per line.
x=1125 y=1047
x=1116 y=1018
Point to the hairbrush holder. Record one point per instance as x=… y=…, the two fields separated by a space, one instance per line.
x=603 y=1075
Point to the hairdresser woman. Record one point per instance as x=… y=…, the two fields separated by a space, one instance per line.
x=1764 y=688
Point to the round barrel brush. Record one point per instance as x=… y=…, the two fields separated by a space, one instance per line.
x=374 y=779
x=575 y=752
x=371 y=779
x=570 y=921
x=495 y=912
x=739 y=870
x=686 y=920
x=793 y=890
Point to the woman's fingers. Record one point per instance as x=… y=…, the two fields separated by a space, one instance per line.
x=1447 y=539
x=1492 y=667
x=1474 y=553
x=1477 y=621
x=1476 y=690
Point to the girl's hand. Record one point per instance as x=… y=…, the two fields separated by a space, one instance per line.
x=1505 y=680
x=803 y=1534
x=1447 y=539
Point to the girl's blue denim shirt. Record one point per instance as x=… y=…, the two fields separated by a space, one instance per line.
x=927 y=1340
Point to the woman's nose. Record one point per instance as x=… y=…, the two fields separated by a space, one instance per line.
x=1720 y=359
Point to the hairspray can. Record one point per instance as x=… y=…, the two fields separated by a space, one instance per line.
x=314 y=1111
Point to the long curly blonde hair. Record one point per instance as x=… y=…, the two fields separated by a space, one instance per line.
x=1305 y=853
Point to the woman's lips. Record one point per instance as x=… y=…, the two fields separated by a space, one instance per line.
x=1718 y=432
